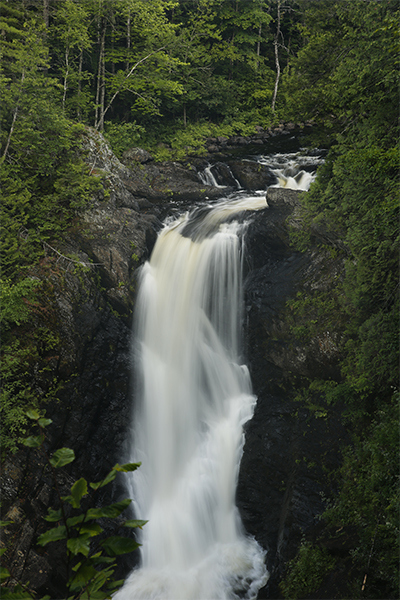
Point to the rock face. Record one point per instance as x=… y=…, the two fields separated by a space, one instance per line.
x=281 y=476
x=252 y=175
x=287 y=448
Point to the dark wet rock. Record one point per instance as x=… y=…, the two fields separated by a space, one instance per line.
x=252 y=175
x=156 y=182
x=287 y=449
x=136 y=155
x=283 y=197
x=223 y=175
x=222 y=140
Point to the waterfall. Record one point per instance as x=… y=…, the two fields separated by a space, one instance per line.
x=194 y=396
x=208 y=178
x=294 y=170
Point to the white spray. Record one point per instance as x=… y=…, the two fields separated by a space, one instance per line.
x=193 y=399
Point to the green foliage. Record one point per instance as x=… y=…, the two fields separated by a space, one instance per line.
x=89 y=552
x=38 y=207
x=134 y=61
x=306 y=571
x=345 y=69
x=123 y=136
x=346 y=81
x=13 y=300
x=16 y=392
x=45 y=183
x=191 y=139
x=369 y=499
x=28 y=345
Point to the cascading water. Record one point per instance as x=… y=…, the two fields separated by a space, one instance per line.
x=294 y=170
x=194 y=396
x=208 y=178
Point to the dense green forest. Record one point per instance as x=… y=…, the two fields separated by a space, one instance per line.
x=164 y=75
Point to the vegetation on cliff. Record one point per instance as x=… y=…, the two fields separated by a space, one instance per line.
x=345 y=78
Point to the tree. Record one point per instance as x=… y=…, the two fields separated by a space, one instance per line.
x=25 y=57
x=141 y=59
x=71 y=28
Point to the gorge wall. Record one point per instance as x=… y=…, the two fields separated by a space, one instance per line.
x=288 y=449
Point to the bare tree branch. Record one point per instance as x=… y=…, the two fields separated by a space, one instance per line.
x=142 y=60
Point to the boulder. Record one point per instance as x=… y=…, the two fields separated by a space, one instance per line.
x=252 y=175
x=136 y=155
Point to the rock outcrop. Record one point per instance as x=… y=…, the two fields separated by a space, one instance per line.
x=288 y=449
x=281 y=476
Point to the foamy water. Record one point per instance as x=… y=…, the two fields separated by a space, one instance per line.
x=193 y=397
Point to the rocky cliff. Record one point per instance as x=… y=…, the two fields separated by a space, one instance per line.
x=287 y=448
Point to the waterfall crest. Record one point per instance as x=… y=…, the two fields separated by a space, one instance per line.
x=194 y=396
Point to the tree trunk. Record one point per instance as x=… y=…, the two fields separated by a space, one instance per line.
x=46 y=12
x=78 y=109
x=65 y=77
x=128 y=37
x=259 y=45
x=100 y=121
x=99 y=114
x=13 y=119
x=278 y=67
x=102 y=89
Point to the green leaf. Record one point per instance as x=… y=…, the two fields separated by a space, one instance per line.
x=72 y=521
x=114 y=585
x=68 y=499
x=78 y=490
x=62 y=457
x=91 y=528
x=99 y=559
x=5 y=523
x=108 y=478
x=84 y=573
x=54 y=534
x=135 y=523
x=32 y=413
x=53 y=515
x=44 y=422
x=33 y=441
x=127 y=467
x=18 y=593
x=4 y=573
x=111 y=511
x=116 y=545
x=79 y=544
x=98 y=595
x=90 y=579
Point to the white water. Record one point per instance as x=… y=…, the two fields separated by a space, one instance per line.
x=193 y=399
x=294 y=171
x=207 y=177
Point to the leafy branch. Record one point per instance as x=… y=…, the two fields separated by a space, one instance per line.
x=90 y=555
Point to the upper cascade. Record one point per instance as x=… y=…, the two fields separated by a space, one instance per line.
x=294 y=170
